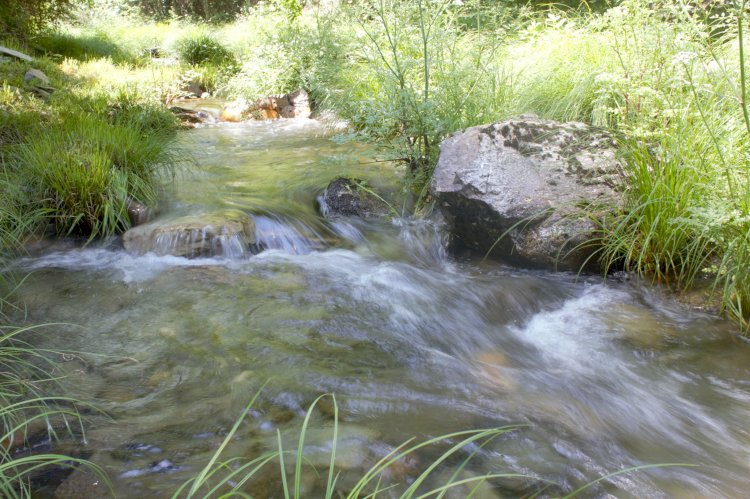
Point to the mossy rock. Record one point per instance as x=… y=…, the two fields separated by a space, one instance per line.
x=226 y=233
x=351 y=197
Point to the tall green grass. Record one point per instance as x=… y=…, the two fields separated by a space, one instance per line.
x=26 y=408
x=444 y=475
x=229 y=477
x=87 y=170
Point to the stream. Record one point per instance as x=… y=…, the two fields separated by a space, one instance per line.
x=414 y=342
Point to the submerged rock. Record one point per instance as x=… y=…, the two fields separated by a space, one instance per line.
x=538 y=183
x=81 y=485
x=347 y=197
x=493 y=369
x=228 y=234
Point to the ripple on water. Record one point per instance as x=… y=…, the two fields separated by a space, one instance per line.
x=605 y=375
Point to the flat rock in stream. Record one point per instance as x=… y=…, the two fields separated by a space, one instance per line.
x=227 y=233
x=528 y=188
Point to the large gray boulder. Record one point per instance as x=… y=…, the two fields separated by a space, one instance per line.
x=539 y=183
x=228 y=234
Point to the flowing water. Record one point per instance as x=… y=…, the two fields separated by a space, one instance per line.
x=604 y=376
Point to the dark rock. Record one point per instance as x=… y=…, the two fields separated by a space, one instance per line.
x=35 y=76
x=345 y=197
x=189 y=118
x=139 y=213
x=154 y=52
x=297 y=105
x=528 y=188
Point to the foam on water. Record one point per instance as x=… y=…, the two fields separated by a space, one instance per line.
x=273 y=232
x=122 y=266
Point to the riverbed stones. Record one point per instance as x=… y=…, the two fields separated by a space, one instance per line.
x=351 y=197
x=493 y=369
x=227 y=233
x=528 y=190
x=292 y=105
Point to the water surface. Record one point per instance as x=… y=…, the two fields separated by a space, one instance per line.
x=605 y=376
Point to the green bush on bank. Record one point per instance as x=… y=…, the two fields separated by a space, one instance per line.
x=203 y=49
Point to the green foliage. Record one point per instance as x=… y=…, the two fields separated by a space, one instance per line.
x=687 y=200
x=80 y=47
x=292 y=8
x=203 y=49
x=24 y=17
x=24 y=408
x=279 y=56
x=215 y=10
x=417 y=76
x=211 y=63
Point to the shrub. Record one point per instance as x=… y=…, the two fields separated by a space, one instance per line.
x=23 y=17
x=204 y=49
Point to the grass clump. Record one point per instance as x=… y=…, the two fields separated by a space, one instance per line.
x=96 y=45
x=447 y=474
x=211 y=63
x=79 y=155
x=203 y=49
x=87 y=171
x=26 y=409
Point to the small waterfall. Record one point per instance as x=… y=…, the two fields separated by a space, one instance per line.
x=275 y=232
x=427 y=240
x=200 y=243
